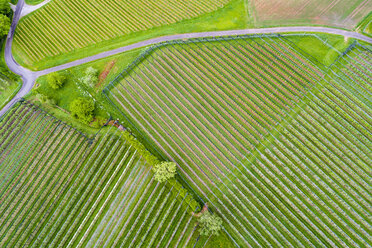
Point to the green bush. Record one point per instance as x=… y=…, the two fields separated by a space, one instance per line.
x=210 y=224
x=5 y=8
x=91 y=77
x=56 y=80
x=164 y=171
x=82 y=109
x=4 y=25
x=99 y=122
x=148 y=156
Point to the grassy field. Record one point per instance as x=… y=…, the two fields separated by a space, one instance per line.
x=33 y=2
x=9 y=82
x=8 y=89
x=339 y=13
x=59 y=188
x=92 y=27
x=279 y=152
x=108 y=69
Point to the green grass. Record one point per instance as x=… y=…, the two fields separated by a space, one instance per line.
x=324 y=48
x=232 y=16
x=33 y=2
x=365 y=26
x=12 y=85
x=73 y=88
x=9 y=92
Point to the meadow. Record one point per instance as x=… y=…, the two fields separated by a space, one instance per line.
x=278 y=145
x=61 y=188
x=8 y=89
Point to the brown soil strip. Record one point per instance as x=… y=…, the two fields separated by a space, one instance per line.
x=105 y=72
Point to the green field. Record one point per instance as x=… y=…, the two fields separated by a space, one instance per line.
x=276 y=142
x=8 y=89
x=104 y=25
x=60 y=188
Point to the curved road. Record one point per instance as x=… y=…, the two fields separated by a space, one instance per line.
x=29 y=77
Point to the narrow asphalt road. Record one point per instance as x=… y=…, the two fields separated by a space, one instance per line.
x=29 y=77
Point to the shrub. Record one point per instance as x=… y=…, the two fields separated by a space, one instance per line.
x=82 y=109
x=210 y=224
x=5 y=8
x=164 y=171
x=91 y=77
x=4 y=25
x=99 y=122
x=45 y=99
x=56 y=80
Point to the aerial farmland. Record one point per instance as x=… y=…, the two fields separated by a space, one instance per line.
x=212 y=123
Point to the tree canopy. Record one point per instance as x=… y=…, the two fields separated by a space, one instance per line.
x=5 y=8
x=56 y=80
x=91 y=77
x=4 y=25
x=82 y=109
x=210 y=224
x=164 y=171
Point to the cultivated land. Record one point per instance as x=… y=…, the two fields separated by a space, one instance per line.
x=66 y=26
x=274 y=132
x=59 y=188
x=278 y=145
x=337 y=13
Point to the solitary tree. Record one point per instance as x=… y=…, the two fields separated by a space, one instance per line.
x=82 y=109
x=164 y=171
x=56 y=80
x=91 y=77
x=4 y=25
x=210 y=224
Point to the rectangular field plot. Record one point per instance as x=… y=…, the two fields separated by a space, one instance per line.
x=340 y=13
x=57 y=188
x=63 y=26
x=261 y=136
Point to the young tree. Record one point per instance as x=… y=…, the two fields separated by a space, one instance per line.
x=4 y=25
x=164 y=171
x=91 y=77
x=210 y=224
x=56 y=80
x=82 y=109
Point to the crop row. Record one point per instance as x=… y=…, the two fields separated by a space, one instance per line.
x=194 y=101
x=60 y=190
x=45 y=32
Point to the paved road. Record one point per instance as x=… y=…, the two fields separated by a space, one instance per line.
x=27 y=9
x=29 y=77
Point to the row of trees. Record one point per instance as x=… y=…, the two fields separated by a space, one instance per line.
x=210 y=224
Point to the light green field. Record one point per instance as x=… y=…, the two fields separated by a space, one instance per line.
x=59 y=188
x=281 y=154
x=104 y=25
x=8 y=90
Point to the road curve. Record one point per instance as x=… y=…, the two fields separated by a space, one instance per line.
x=29 y=77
